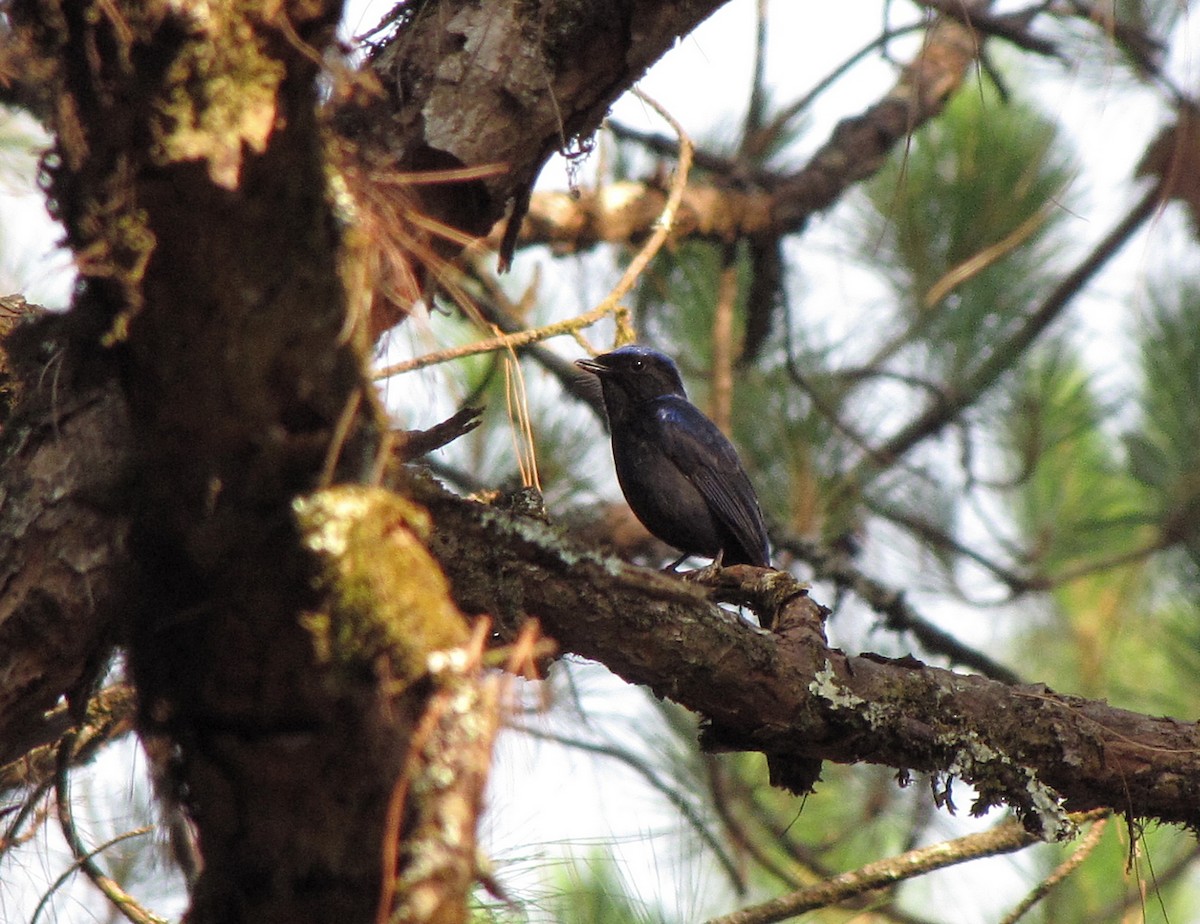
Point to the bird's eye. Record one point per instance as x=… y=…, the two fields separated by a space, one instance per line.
x=638 y=364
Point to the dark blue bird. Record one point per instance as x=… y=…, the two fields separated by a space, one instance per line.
x=679 y=473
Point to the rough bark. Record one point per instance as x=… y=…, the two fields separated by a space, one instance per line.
x=471 y=83
x=480 y=85
x=189 y=172
x=790 y=695
x=195 y=227
x=64 y=557
x=216 y=374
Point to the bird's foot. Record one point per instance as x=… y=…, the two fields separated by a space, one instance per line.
x=709 y=573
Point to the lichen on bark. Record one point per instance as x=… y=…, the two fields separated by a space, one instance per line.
x=387 y=596
x=220 y=94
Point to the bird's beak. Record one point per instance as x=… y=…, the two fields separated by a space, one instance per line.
x=592 y=366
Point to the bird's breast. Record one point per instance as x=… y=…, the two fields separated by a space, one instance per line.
x=663 y=498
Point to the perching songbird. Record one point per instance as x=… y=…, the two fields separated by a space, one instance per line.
x=679 y=473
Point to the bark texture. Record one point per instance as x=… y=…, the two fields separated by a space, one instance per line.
x=212 y=372
x=479 y=82
x=788 y=694
x=64 y=556
x=189 y=171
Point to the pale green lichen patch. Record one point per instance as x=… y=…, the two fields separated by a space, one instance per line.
x=221 y=94
x=974 y=760
x=1047 y=804
x=825 y=685
x=978 y=761
x=536 y=533
x=385 y=594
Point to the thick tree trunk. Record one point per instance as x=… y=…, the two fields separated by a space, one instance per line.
x=191 y=179
x=216 y=377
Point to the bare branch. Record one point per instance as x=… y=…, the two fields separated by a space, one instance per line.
x=1005 y=838
x=791 y=696
x=1061 y=872
x=416 y=443
x=122 y=901
x=1012 y=27
x=857 y=149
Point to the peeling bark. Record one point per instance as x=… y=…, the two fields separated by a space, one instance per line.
x=506 y=82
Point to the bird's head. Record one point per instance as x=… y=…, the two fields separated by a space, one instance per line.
x=634 y=374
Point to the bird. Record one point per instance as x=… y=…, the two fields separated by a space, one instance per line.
x=681 y=476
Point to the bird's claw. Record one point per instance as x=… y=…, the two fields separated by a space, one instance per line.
x=709 y=573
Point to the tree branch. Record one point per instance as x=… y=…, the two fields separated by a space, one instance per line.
x=791 y=696
x=463 y=85
x=1005 y=838
x=857 y=148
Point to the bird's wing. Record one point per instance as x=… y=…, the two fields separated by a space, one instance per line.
x=701 y=452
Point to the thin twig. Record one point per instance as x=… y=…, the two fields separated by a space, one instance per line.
x=1004 y=838
x=412 y=444
x=939 y=412
x=670 y=793
x=611 y=304
x=74 y=867
x=977 y=263
x=770 y=833
x=755 y=111
x=1083 y=569
x=1064 y=869
x=1118 y=909
x=517 y=402
x=720 y=399
x=785 y=115
x=930 y=533
x=125 y=903
x=1011 y=27
x=662 y=228
x=499 y=310
x=736 y=831
x=341 y=432
x=12 y=836
x=663 y=145
x=503 y=342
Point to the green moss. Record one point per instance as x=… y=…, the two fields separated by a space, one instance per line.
x=386 y=596
x=222 y=94
x=121 y=240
